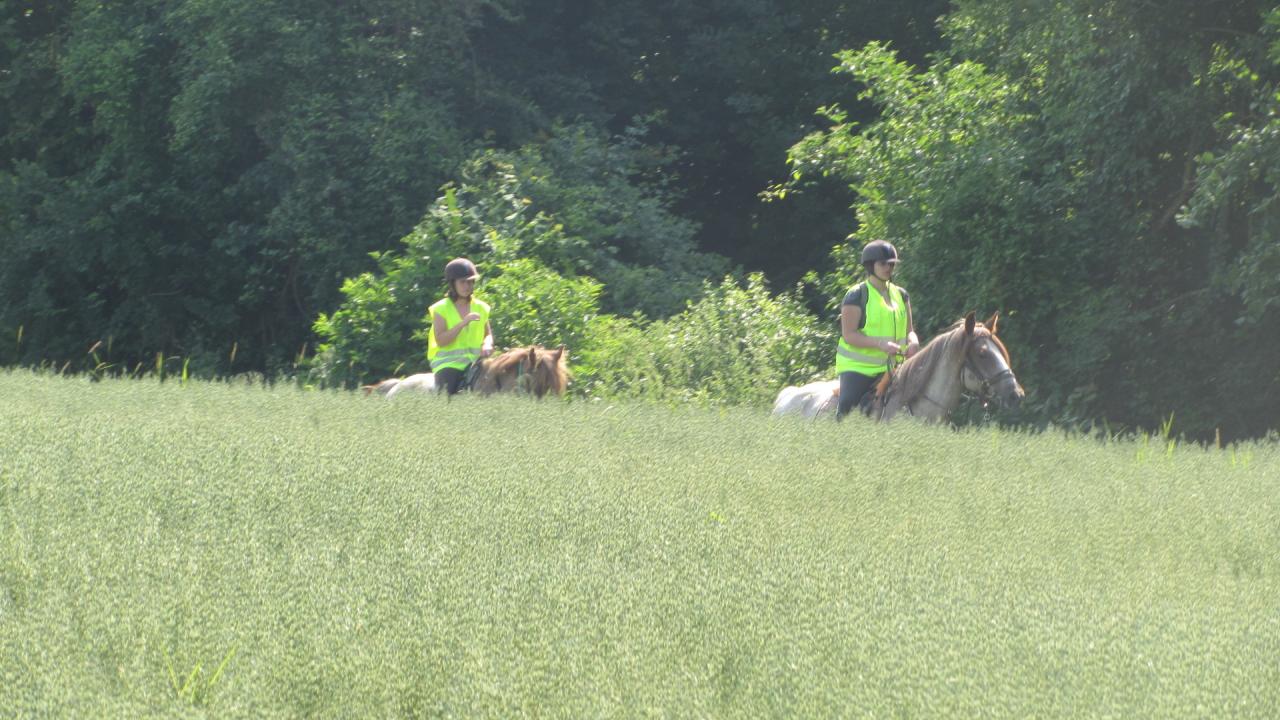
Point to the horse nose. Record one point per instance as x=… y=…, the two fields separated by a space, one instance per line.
x=1013 y=399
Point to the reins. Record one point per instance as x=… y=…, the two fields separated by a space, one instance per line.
x=521 y=386
x=482 y=366
x=986 y=383
x=984 y=393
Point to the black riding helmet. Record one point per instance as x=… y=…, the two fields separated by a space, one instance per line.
x=460 y=269
x=878 y=251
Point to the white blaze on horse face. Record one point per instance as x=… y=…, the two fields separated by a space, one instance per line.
x=996 y=355
x=1008 y=391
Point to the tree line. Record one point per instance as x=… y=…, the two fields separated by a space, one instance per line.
x=676 y=189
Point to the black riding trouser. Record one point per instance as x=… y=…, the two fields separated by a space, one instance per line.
x=450 y=380
x=853 y=385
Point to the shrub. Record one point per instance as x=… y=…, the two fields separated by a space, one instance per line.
x=737 y=345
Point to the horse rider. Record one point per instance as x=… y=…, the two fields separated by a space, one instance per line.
x=876 y=329
x=460 y=332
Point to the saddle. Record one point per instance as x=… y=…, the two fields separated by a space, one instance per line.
x=470 y=377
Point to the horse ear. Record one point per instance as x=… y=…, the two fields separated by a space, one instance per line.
x=559 y=353
x=992 y=322
x=969 y=322
x=533 y=355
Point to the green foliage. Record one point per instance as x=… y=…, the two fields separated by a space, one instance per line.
x=189 y=176
x=195 y=175
x=549 y=226
x=942 y=149
x=533 y=304
x=369 y=335
x=278 y=553
x=738 y=344
x=1237 y=193
x=196 y=179
x=1037 y=168
x=618 y=360
x=611 y=206
x=729 y=84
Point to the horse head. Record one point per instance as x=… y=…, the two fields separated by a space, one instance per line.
x=550 y=370
x=532 y=369
x=986 y=371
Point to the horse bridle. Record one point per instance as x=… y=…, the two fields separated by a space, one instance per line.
x=473 y=372
x=987 y=384
x=985 y=389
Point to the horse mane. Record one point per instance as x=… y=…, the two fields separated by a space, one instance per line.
x=506 y=362
x=913 y=374
x=545 y=370
x=1003 y=350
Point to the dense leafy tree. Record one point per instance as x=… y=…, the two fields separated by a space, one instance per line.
x=1039 y=168
x=561 y=228
x=730 y=83
x=1237 y=189
x=188 y=175
x=185 y=175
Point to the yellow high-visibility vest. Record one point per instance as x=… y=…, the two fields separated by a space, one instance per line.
x=465 y=349
x=885 y=321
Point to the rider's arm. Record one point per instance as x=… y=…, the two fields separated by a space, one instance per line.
x=486 y=348
x=446 y=334
x=850 y=317
x=913 y=341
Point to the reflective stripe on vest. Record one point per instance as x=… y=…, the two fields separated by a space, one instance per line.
x=465 y=348
x=882 y=323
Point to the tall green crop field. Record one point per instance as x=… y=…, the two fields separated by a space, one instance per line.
x=230 y=551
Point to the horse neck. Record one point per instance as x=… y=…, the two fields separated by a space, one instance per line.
x=488 y=375
x=935 y=373
x=507 y=372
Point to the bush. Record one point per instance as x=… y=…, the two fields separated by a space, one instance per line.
x=737 y=345
x=534 y=304
x=554 y=228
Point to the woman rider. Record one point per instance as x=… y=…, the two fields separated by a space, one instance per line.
x=875 y=326
x=460 y=332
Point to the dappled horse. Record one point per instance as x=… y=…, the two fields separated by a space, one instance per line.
x=533 y=369
x=966 y=356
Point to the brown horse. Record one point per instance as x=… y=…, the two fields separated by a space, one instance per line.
x=966 y=356
x=533 y=369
